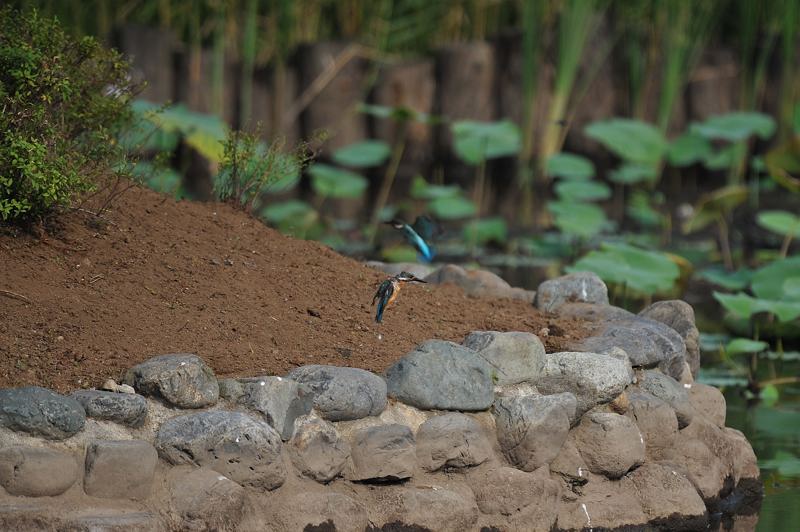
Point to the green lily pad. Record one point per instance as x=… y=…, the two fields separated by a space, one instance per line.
x=640 y=209
x=631 y=140
x=736 y=280
x=740 y=304
x=582 y=190
x=632 y=173
x=770 y=282
x=736 y=126
x=780 y=222
x=645 y=271
x=570 y=166
x=725 y=157
x=363 y=154
x=578 y=219
x=688 y=149
x=421 y=189
x=329 y=181
x=452 y=208
x=400 y=113
x=739 y=346
x=784 y=462
x=475 y=142
x=477 y=232
x=285 y=210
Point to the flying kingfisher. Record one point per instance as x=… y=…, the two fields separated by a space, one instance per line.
x=388 y=290
x=418 y=235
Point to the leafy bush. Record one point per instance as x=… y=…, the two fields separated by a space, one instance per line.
x=63 y=100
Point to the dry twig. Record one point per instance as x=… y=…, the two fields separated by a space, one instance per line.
x=14 y=295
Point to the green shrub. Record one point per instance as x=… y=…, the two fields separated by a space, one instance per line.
x=63 y=100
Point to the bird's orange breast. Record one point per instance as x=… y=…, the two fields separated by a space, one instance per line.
x=395 y=291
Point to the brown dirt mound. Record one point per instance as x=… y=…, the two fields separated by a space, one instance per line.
x=166 y=277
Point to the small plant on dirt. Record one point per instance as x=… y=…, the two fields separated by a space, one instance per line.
x=63 y=100
x=251 y=168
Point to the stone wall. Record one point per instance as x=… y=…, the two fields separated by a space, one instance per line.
x=489 y=434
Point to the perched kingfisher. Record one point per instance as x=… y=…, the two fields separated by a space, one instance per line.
x=418 y=235
x=388 y=290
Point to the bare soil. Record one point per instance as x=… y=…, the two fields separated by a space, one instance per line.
x=155 y=276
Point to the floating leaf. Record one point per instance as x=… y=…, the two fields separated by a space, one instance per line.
x=740 y=304
x=582 y=190
x=739 y=346
x=478 y=232
x=737 y=280
x=421 y=189
x=725 y=157
x=688 y=149
x=476 y=142
x=735 y=126
x=579 y=219
x=329 y=181
x=570 y=166
x=642 y=270
x=780 y=222
x=770 y=282
x=784 y=462
x=452 y=208
x=363 y=154
x=632 y=173
x=631 y=140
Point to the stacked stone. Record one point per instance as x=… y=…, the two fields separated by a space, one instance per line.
x=492 y=432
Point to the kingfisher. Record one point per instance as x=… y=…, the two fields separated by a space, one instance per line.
x=417 y=235
x=388 y=290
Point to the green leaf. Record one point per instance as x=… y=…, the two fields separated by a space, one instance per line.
x=329 y=181
x=773 y=280
x=784 y=462
x=688 y=149
x=398 y=114
x=452 y=208
x=399 y=253
x=279 y=212
x=783 y=163
x=640 y=209
x=421 y=189
x=570 y=166
x=632 y=173
x=631 y=140
x=737 y=280
x=578 y=219
x=645 y=271
x=363 y=154
x=780 y=222
x=582 y=190
x=725 y=157
x=735 y=126
x=739 y=346
x=477 y=232
x=713 y=205
x=740 y=304
x=770 y=395
x=475 y=142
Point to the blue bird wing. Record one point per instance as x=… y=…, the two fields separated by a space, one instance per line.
x=425 y=227
x=382 y=296
x=423 y=248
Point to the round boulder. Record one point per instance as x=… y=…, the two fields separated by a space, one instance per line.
x=451 y=440
x=41 y=412
x=514 y=356
x=610 y=444
x=183 y=380
x=342 y=394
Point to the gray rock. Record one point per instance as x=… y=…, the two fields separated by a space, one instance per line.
x=119 y=469
x=342 y=394
x=279 y=400
x=709 y=402
x=656 y=420
x=671 y=392
x=440 y=375
x=123 y=408
x=529 y=500
x=451 y=440
x=182 y=380
x=679 y=315
x=40 y=412
x=234 y=444
x=648 y=343
x=665 y=493
x=436 y=509
x=475 y=283
x=230 y=389
x=593 y=378
x=393 y=268
x=531 y=429
x=317 y=450
x=206 y=500
x=382 y=452
x=514 y=356
x=609 y=443
x=584 y=287
x=36 y=471
x=596 y=314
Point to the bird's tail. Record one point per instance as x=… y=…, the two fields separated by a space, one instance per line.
x=381 y=307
